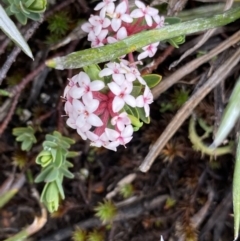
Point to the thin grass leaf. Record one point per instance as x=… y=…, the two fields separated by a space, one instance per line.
x=9 y=28
x=236 y=193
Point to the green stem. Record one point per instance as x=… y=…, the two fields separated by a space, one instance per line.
x=200 y=146
x=137 y=41
x=21 y=236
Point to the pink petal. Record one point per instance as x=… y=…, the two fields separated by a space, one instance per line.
x=78 y=106
x=130 y=77
x=111 y=134
x=128 y=131
x=116 y=23
x=121 y=8
x=122 y=33
x=136 y=13
x=71 y=123
x=94 y=120
x=96 y=85
x=112 y=145
x=152 y=11
x=146 y=109
x=126 y=18
x=86 y=27
x=143 y=55
x=76 y=92
x=105 y=72
x=83 y=79
x=130 y=100
x=118 y=78
x=139 y=101
x=81 y=120
x=114 y=88
x=140 y=4
x=148 y=20
x=111 y=40
x=117 y=104
x=99 y=6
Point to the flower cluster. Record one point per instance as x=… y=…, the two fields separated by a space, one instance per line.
x=104 y=105
x=97 y=111
x=115 y=23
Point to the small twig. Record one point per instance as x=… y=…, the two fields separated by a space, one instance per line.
x=16 y=91
x=12 y=57
x=148 y=69
x=191 y=66
x=220 y=74
x=9 y=114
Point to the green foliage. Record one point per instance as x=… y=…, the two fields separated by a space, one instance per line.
x=58 y=26
x=53 y=160
x=179 y=97
x=152 y=79
x=95 y=236
x=127 y=190
x=176 y=41
x=230 y=116
x=79 y=235
x=58 y=23
x=106 y=211
x=24 y=9
x=26 y=136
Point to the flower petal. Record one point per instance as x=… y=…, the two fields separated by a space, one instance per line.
x=94 y=120
x=117 y=104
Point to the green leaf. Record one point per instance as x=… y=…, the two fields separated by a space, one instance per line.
x=21 y=137
x=59 y=158
x=142 y=115
x=52 y=175
x=230 y=116
x=66 y=173
x=93 y=71
x=38 y=6
x=172 y=20
x=50 y=144
x=152 y=79
x=5 y=93
x=43 y=174
x=136 y=91
x=26 y=145
x=138 y=41
x=71 y=154
x=9 y=28
x=135 y=121
x=236 y=192
x=60 y=188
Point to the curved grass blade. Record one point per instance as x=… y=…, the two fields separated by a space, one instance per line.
x=9 y=28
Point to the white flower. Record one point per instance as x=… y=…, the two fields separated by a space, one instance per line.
x=85 y=111
x=121 y=34
x=83 y=130
x=115 y=70
x=149 y=51
x=122 y=137
x=144 y=100
x=97 y=40
x=159 y=21
x=144 y=11
x=121 y=120
x=85 y=86
x=134 y=74
x=122 y=95
x=120 y=15
x=98 y=23
x=106 y=6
